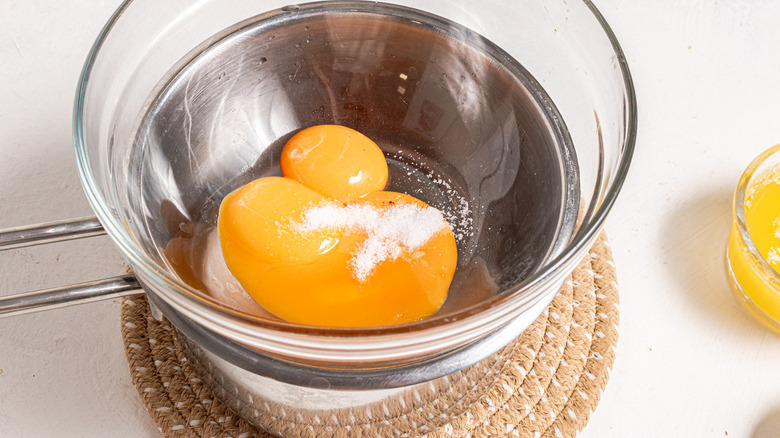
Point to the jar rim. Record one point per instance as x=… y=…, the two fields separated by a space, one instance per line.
x=738 y=208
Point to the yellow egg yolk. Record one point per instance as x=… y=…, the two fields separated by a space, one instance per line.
x=349 y=272
x=336 y=161
x=256 y=224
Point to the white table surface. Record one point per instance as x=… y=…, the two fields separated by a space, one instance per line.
x=690 y=361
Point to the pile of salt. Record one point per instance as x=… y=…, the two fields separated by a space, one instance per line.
x=390 y=231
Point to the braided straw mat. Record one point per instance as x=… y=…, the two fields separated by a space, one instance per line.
x=551 y=383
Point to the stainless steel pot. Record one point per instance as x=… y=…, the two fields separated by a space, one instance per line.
x=179 y=104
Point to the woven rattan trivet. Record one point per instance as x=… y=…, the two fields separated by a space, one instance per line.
x=549 y=386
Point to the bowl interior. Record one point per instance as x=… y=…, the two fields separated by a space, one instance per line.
x=463 y=125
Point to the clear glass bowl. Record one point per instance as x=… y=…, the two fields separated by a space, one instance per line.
x=559 y=59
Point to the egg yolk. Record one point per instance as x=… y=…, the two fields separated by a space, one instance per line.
x=333 y=254
x=256 y=224
x=336 y=161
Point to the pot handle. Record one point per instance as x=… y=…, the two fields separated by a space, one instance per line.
x=67 y=295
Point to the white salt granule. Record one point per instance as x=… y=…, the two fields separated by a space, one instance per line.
x=773 y=255
x=391 y=231
x=776 y=224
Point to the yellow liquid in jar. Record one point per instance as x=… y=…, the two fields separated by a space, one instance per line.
x=762 y=217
